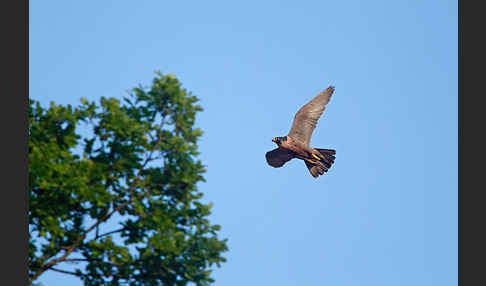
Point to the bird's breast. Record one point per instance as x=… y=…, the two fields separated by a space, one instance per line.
x=294 y=147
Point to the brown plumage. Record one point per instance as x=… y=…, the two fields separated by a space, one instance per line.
x=296 y=143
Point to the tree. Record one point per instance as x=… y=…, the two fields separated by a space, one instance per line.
x=120 y=201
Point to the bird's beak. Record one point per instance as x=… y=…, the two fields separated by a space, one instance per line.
x=274 y=140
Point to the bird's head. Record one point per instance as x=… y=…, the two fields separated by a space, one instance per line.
x=278 y=140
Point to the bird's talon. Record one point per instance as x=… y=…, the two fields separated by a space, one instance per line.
x=315 y=156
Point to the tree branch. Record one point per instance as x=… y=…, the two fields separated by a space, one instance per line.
x=108 y=233
x=76 y=260
x=66 y=272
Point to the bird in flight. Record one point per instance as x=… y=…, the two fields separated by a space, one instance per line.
x=297 y=143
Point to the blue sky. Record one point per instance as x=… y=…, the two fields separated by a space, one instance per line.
x=385 y=213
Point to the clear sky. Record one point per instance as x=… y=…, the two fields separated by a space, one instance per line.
x=385 y=213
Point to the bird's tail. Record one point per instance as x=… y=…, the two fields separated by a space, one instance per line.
x=329 y=155
x=318 y=169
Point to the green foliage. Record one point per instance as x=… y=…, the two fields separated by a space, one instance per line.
x=121 y=202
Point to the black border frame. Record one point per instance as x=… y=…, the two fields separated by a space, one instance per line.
x=471 y=206
x=15 y=78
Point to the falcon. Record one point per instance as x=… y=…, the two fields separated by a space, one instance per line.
x=297 y=143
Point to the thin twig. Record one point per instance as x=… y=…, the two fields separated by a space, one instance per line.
x=108 y=233
x=66 y=272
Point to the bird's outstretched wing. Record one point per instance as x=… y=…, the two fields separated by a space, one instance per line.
x=305 y=120
x=278 y=157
